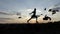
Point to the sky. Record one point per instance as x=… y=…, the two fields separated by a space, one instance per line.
x=10 y=8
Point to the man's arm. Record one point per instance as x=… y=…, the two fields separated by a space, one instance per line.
x=31 y=12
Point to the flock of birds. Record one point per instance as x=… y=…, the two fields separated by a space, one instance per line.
x=46 y=17
x=52 y=10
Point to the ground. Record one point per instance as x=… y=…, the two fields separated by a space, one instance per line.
x=47 y=28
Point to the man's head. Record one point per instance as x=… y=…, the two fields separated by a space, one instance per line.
x=34 y=8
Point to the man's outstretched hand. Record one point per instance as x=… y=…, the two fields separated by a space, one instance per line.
x=30 y=13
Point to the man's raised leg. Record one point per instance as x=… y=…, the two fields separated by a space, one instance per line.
x=29 y=20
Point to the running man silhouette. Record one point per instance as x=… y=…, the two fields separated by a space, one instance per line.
x=34 y=16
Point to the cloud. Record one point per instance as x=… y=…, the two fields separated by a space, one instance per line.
x=4 y=13
x=30 y=10
x=57 y=8
x=58 y=4
x=9 y=13
x=5 y=20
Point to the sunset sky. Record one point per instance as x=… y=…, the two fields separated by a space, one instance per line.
x=10 y=8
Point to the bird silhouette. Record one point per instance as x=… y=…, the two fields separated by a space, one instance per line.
x=46 y=18
x=19 y=14
x=53 y=11
x=45 y=9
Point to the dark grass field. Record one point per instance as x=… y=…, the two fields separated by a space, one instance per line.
x=47 y=28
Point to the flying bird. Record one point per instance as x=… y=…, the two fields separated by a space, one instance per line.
x=19 y=17
x=19 y=14
x=45 y=9
x=46 y=18
x=53 y=11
